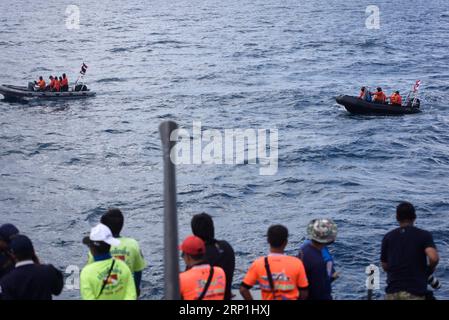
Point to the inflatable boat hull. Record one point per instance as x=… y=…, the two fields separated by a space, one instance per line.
x=23 y=93
x=358 y=106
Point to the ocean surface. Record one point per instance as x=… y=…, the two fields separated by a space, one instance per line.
x=229 y=64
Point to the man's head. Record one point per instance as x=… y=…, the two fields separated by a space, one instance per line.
x=7 y=233
x=40 y=78
x=100 y=240
x=379 y=89
x=21 y=248
x=277 y=236
x=397 y=92
x=203 y=226
x=362 y=89
x=114 y=220
x=405 y=212
x=63 y=75
x=193 y=250
x=51 y=77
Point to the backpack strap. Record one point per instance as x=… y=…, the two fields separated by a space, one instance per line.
x=270 y=277
x=105 y=280
x=206 y=287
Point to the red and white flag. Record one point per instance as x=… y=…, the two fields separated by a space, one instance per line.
x=416 y=86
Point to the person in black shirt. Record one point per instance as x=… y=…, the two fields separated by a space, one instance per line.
x=7 y=232
x=219 y=253
x=404 y=255
x=29 y=280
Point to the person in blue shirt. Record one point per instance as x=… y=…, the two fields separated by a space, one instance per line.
x=317 y=259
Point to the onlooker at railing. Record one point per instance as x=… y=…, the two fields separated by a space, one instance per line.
x=409 y=257
x=218 y=252
x=29 y=280
x=280 y=277
x=321 y=232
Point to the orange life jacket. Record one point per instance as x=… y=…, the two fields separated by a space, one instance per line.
x=380 y=97
x=52 y=83
x=64 y=82
x=41 y=84
x=396 y=99
x=57 y=85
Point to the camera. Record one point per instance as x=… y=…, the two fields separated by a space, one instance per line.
x=434 y=282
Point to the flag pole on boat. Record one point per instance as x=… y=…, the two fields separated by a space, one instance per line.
x=82 y=73
x=171 y=264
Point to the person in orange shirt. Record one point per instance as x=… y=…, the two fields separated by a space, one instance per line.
x=201 y=281
x=64 y=83
x=40 y=84
x=51 y=85
x=396 y=99
x=362 y=93
x=280 y=277
x=379 y=96
x=56 y=85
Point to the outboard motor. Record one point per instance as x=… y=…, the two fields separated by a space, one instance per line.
x=80 y=87
x=31 y=86
x=414 y=105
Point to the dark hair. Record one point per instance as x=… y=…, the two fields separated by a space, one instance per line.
x=397 y=91
x=114 y=220
x=60 y=78
x=197 y=257
x=362 y=89
x=40 y=78
x=379 y=89
x=63 y=75
x=50 y=77
x=26 y=255
x=203 y=227
x=405 y=211
x=277 y=235
x=100 y=247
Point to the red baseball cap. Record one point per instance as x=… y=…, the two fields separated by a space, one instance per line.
x=193 y=245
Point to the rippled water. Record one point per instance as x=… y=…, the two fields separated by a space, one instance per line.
x=264 y=64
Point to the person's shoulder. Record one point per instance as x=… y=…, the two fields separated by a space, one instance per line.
x=292 y=260
x=129 y=242
x=225 y=245
x=392 y=232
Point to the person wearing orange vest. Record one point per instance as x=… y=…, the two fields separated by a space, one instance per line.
x=362 y=93
x=379 y=96
x=280 y=277
x=52 y=83
x=201 y=281
x=40 y=84
x=64 y=83
x=56 y=85
x=396 y=99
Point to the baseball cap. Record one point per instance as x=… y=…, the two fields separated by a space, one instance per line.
x=101 y=233
x=7 y=231
x=193 y=245
x=21 y=244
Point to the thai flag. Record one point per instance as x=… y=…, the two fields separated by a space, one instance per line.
x=416 y=86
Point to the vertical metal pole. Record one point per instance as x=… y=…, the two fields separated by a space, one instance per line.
x=171 y=258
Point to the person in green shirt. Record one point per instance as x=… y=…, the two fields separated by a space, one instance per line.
x=106 y=278
x=128 y=250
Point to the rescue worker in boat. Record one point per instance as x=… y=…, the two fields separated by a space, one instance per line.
x=56 y=85
x=362 y=93
x=379 y=96
x=396 y=99
x=365 y=94
x=51 y=85
x=64 y=83
x=40 y=84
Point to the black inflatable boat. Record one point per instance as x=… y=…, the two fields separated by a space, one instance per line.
x=27 y=93
x=359 y=106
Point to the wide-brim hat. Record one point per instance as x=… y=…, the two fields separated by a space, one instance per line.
x=322 y=230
